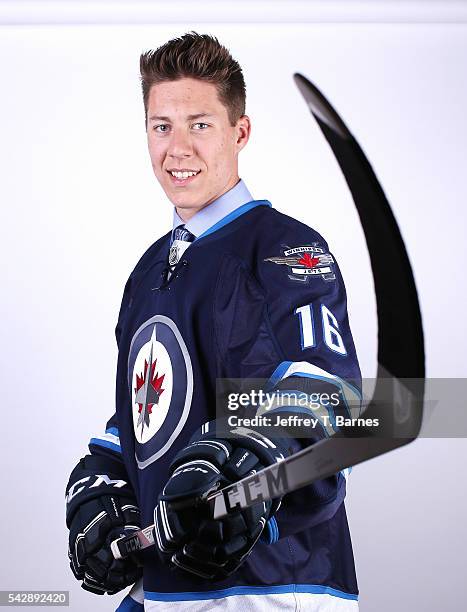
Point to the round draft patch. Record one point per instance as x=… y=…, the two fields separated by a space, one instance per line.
x=160 y=380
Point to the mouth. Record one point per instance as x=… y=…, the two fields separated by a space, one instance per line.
x=180 y=178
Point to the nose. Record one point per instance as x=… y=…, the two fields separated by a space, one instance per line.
x=180 y=145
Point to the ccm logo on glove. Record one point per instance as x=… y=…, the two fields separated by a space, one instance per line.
x=100 y=480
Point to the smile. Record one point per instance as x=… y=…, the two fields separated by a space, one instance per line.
x=183 y=177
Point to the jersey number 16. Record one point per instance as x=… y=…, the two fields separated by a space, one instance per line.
x=330 y=327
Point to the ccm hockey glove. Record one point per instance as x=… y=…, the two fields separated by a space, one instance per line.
x=101 y=506
x=186 y=535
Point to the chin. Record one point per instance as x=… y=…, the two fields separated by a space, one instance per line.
x=182 y=200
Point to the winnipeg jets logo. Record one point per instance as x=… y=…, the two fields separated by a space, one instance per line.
x=305 y=262
x=148 y=390
x=160 y=384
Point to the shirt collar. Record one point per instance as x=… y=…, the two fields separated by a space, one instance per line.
x=217 y=210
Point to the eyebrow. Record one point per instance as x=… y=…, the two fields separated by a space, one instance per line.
x=189 y=118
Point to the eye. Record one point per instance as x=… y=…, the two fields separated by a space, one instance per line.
x=201 y=123
x=161 y=125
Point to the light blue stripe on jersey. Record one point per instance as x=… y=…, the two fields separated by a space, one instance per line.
x=250 y=590
x=109 y=440
x=278 y=373
x=308 y=370
x=272 y=531
x=275 y=528
x=130 y=605
x=233 y=215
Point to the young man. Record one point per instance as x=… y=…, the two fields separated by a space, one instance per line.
x=237 y=290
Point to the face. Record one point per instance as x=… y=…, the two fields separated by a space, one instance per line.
x=188 y=131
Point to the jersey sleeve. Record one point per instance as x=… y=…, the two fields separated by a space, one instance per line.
x=288 y=325
x=108 y=441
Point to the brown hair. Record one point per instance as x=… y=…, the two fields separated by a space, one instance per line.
x=198 y=56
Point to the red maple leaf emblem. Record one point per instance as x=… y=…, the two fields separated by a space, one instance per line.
x=156 y=384
x=308 y=260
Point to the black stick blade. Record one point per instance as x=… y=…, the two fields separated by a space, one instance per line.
x=400 y=332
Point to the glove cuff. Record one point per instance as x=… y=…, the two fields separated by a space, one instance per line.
x=259 y=440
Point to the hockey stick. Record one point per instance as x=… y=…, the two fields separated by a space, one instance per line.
x=400 y=346
x=327 y=457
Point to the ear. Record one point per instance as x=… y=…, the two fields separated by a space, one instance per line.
x=242 y=131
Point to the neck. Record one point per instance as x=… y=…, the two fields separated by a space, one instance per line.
x=187 y=213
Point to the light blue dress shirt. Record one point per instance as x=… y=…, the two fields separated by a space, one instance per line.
x=217 y=210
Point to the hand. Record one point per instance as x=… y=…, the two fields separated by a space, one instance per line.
x=186 y=536
x=94 y=526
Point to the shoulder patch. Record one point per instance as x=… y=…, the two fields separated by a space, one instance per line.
x=305 y=262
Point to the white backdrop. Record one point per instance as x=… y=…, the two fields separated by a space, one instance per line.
x=79 y=205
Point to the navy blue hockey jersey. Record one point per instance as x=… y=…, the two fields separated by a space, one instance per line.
x=258 y=295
